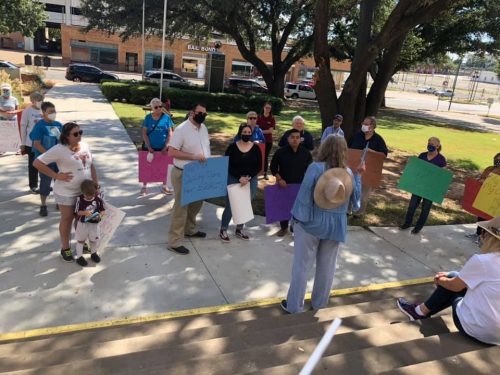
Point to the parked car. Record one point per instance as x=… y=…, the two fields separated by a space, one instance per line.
x=168 y=77
x=447 y=93
x=12 y=70
x=296 y=90
x=245 y=85
x=308 y=82
x=426 y=90
x=87 y=73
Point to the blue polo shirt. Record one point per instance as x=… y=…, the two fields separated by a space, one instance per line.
x=47 y=133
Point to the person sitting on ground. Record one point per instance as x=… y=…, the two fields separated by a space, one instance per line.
x=74 y=165
x=473 y=293
x=306 y=138
x=289 y=165
x=257 y=135
x=433 y=156
x=335 y=129
x=267 y=123
x=245 y=163
x=156 y=134
x=320 y=223
x=495 y=168
x=9 y=106
x=29 y=118
x=44 y=136
x=89 y=210
x=368 y=137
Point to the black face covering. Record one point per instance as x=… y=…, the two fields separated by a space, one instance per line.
x=496 y=162
x=246 y=137
x=199 y=117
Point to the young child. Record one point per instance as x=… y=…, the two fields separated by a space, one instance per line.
x=90 y=210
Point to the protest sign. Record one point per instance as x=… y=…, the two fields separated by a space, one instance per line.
x=108 y=225
x=204 y=180
x=374 y=162
x=262 y=147
x=488 y=198
x=240 y=201
x=156 y=170
x=279 y=201
x=425 y=180
x=471 y=189
x=10 y=139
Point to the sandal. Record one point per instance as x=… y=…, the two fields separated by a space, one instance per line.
x=165 y=190
x=223 y=236
x=144 y=191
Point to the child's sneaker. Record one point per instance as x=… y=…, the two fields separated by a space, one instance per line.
x=67 y=255
x=95 y=258
x=82 y=262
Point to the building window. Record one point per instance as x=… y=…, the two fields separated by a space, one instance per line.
x=96 y=53
x=189 y=65
x=76 y=11
x=242 y=69
x=54 y=8
x=153 y=61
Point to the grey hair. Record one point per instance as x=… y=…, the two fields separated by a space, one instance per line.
x=298 y=117
x=373 y=121
x=155 y=100
x=36 y=97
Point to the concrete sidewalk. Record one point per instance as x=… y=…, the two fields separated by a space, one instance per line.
x=138 y=275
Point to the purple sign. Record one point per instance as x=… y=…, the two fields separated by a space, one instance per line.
x=279 y=202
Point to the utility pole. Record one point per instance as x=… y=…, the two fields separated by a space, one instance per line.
x=455 y=82
x=143 y=51
x=163 y=46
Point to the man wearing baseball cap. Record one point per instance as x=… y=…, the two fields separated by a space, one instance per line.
x=335 y=129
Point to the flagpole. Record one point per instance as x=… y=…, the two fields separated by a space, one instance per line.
x=163 y=46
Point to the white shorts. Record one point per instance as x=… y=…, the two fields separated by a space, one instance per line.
x=65 y=201
x=88 y=231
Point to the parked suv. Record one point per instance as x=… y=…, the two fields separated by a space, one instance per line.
x=168 y=77
x=244 y=85
x=12 y=70
x=297 y=90
x=87 y=73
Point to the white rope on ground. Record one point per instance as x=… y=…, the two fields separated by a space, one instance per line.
x=320 y=349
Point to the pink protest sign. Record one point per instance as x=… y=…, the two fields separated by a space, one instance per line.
x=156 y=170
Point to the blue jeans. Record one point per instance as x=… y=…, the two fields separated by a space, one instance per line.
x=227 y=214
x=46 y=180
x=424 y=214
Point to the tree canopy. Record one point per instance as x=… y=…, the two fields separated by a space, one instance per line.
x=24 y=16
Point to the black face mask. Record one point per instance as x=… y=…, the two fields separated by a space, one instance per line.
x=199 y=117
x=496 y=163
x=246 y=137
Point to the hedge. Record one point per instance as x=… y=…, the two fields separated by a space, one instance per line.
x=139 y=93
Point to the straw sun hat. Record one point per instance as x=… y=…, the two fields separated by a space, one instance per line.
x=492 y=243
x=333 y=188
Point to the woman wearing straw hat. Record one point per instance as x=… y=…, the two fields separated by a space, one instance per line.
x=473 y=293
x=320 y=222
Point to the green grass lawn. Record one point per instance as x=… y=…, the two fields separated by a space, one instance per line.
x=463 y=148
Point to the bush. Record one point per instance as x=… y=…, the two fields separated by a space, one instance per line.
x=116 y=90
x=182 y=98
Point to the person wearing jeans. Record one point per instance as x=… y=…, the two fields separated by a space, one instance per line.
x=473 y=293
x=433 y=156
x=245 y=163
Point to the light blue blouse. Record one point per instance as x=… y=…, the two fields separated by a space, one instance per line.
x=331 y=131
x=322 y=223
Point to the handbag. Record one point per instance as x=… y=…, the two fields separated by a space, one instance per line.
x=144 y=147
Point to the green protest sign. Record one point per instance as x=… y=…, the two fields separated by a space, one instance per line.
x=425 y=179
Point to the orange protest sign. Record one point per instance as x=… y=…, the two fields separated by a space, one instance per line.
x=374 y=162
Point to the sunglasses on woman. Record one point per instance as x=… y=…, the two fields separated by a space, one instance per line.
x=78 y=133
x=158 y=106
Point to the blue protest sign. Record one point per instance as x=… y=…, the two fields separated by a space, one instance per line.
x=204 y=180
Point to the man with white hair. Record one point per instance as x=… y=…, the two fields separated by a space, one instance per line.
x=306 y=138
x=8 y=103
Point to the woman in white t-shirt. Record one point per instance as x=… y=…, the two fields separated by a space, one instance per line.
x=473 y=293
x=74 y=163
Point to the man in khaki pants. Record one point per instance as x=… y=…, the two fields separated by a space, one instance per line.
x=189 y=142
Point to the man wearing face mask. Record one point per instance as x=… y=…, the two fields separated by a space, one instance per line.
x=29 y=118
x=190 y=141
x=45 y=135
x=375 y=143
x=8 y=103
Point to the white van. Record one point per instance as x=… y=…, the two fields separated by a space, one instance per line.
x=297 y=90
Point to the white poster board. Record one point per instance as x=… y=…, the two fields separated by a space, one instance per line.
x=241 y=204
x=110 y=222
x=10 y=140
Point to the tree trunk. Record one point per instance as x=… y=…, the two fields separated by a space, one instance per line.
x=384 y=74
x=277 y=85
x=325 y=85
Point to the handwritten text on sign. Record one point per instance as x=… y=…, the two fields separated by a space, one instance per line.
x=9 y=136
x=156 y=170
x=425 y=180
x=110 y=222
x=204 y=180
x=488 y=198
x=471 y=190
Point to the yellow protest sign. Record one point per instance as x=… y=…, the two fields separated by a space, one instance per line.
x=488 y=198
